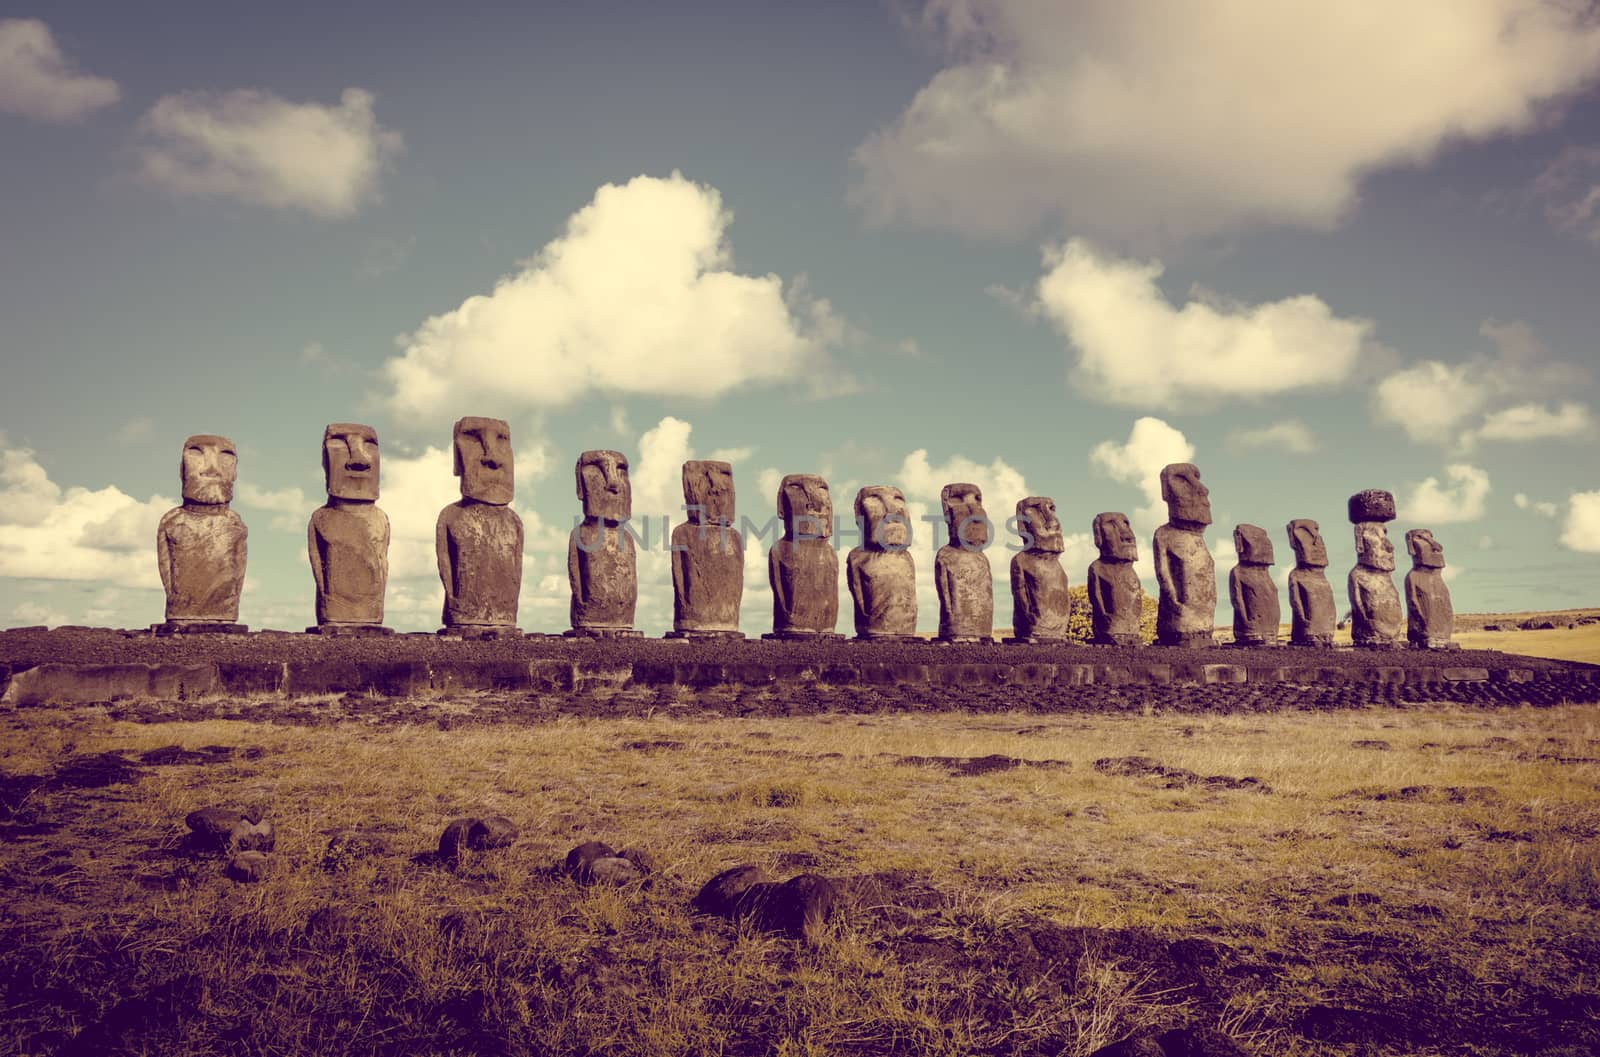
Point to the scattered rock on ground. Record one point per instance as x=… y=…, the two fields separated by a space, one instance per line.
x=611 y=870
x=248 y=867
x=722 y=894
x=584 y=856
x=800 y=907
x=491 y=831
x=348 y=846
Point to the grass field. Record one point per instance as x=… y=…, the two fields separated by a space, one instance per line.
x=1421 y=881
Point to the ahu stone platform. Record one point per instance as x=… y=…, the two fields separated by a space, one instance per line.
x=84 y=666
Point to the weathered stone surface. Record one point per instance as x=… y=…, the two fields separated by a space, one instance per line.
x=580 y=859
x=252 y=836
x=1373 y=504
x=1430 y=617
x=1185 y=570
x=803 y=567
x=1116 y=598
x=707 y=553
x=642 y=860
x=212 y=827
x=800 y=907
x=200 y=546
x=1040 y=602
x=1252 y=589
x=602 y=563
x=490 y=832
x=249 y=867
x=1374 y=602
x=961 y=573
x=453 y=841
x=612 y=870
x=1313 y=613
x=346 y=847
x=881 y=572
x=723 y=894
x=348 y=538
x=478 y=540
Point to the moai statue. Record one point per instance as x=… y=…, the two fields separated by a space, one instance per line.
x=1116 y=597
x=200 y=546
x=1311 y=606
x=1253 y=591
x=1430 y=618
x=1185 y=570
x=602 y=564
x=961 y=568
x=348 y=538
x=882 y=574
x=1040 y=603
x=479 y=538
x=707 y=556
x=803 y=567
x=1374 y=602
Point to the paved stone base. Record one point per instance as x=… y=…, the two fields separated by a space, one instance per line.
x=1314 y=642
x=1035 y=640
x=888 y=638
x=1118 y=640
x=1188 y=640
x=1258 y=642
x=602 y=633
x=477 y=632
x=198 y=628
x=961 y=639
x=701 y=635
x=802 y=636
x=351 y=630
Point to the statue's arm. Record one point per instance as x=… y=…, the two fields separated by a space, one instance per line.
x=441 y=550
x=780 y=597
x=1164 y=578
x=573 y=577
x=1236 y=591
x=314 y=550
x=857 y=588
x=164 y=554
x=680 y=566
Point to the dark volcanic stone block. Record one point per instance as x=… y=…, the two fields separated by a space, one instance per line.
x=1374 y=504
x=245 y=678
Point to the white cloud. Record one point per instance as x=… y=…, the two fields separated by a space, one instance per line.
x=1545 y=509
x=1461 y=499
x=1151 y=445
x=37 y=81
x=638 y=296
x=1536 y=422
x=1570 y=189
x=31 y=612
x=1291 y=436
x=259 y=148
x=1134 y=348
x=48 y=533
x=1581 y=530
x=1431 y=401
x=291 y=507
x=1436 y=402
x=1180 y=117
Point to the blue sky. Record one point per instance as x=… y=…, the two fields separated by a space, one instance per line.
x=1046 y=248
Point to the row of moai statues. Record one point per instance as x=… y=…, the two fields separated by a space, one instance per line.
x=479 y=540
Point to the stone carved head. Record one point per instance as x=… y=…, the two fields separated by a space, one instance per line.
x=350 y=461
x=964 y=517
x=708 y=491
x=1426 y=552
x=1115 y=538
x=1252 y=544
x=1187 y=499
x=483 y=460
x=1036 y=515
x=1373 y=549
x=603 y=485
x=209 y=466
x=881 y=512
x=806 y=507
x=1306 y=539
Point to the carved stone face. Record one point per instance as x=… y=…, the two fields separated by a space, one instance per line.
x=1037 y=515
x=1186 y=498
x=708 y=491
x=603 y=485
x=1252 y=544
x=1115 y=538
x=1306 y=539
x=483 y=459
x=1426 y=553
x=886 y=526
x=806 y=506
x=209 y=467
x=1373 y=548
x=964 y=516
x=350 y=461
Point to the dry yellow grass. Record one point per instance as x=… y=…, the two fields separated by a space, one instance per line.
x=1463 y=839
